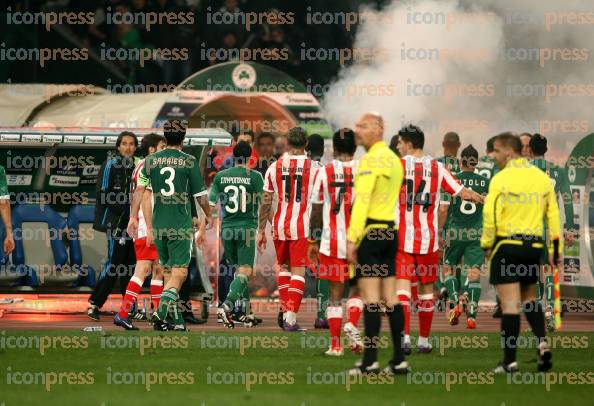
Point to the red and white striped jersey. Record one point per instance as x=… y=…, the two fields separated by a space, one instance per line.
x=334 y=188
x=291 y=180
x=417 y=211
x=141 y=222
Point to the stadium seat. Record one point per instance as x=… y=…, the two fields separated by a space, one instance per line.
x=35 y=226
x=88 y=253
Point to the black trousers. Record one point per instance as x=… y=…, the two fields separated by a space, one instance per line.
x=120 y=264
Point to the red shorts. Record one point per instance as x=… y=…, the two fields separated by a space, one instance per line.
x=333 y=269
x=144 y=253
x=421 y=267
x=291 y=252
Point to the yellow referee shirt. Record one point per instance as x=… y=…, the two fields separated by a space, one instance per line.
x=519 y=199
x=377 y=187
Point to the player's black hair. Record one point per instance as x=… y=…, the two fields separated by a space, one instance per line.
x=315 y=146
x=538 y=145
x=491 y=144
x=249 y=132
x=297 y=137
x=242 y=152
x=343 y=141
x=394 y=144
x=510 y=140
x=126 y=134
x=469 y=156
x=150 y=140
x=263 y=135
x=175 y=131
x=414 y=135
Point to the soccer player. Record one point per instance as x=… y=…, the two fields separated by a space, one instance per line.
x=333 y=198
x=520 y=197
x=146 y=257
x=239 y=190
x=538 y=146
x=315 y=152
x=465 y=224
x=175 y=180
x=486 y=166
x=425 y=180
x=451 y=145
x=290 y=180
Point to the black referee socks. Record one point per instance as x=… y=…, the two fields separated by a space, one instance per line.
x=372 y=319
x=396 y=317
x=535 y=316
x=510 y=330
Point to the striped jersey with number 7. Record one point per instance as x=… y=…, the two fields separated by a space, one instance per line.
x=334 y=188
x=291 y=179
x=420 y=195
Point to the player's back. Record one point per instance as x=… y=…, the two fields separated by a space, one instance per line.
x=467 y=216
x=239 y=190
x=291 y=180
x=553 y=171
x=172 y=175
x=417 y=212
x=335 y=183
x=486 y=167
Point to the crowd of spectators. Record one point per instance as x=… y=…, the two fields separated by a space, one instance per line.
x=217 y=33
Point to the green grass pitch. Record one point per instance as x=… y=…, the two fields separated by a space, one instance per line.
x=246 y=367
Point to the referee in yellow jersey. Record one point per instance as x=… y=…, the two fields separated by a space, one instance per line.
x=520 y=197
x=372 y=241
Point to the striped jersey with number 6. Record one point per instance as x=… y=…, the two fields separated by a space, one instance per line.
x=420 y=195
x=291 y=180
x=334 y=188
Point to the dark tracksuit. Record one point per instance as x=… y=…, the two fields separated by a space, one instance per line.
x=112 y=213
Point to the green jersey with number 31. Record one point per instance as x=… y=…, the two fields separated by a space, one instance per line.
x=175 y=180
x=239 y=190
x=466 y=218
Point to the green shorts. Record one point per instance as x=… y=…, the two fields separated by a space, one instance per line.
x=240 y=246
x=471 y=251
x=175 y=251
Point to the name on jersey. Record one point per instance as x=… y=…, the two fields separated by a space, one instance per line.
x=474 y=182
x=171 y=161
x=236 y=179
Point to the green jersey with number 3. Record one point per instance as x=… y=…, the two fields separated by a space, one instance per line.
x=239 y=190
x=175 y=179
x=466 y=218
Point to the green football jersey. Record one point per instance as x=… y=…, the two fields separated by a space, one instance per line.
x=486 y=167
x=239 y=190
x=466 y=218
x=3 y=184
x=561 y=184
x=450 y=162
x=175 y=180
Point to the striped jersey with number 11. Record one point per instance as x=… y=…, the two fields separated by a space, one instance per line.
x=334 y=188
x=291 y=180
x=420 y=195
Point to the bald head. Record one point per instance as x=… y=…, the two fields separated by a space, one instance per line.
x=451 y=144
x=369 y=129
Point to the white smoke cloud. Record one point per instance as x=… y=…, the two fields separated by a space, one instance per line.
x=478 y=68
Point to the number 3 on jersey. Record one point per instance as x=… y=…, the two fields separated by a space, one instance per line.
x=237 y=197
x=169 y=181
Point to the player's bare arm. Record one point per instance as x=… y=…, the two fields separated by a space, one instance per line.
x=264 y=216
x=202 y=201
x=134 y=209
x=471 y=196
x=315 y=224
x=5 y=213
x=147 y=211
